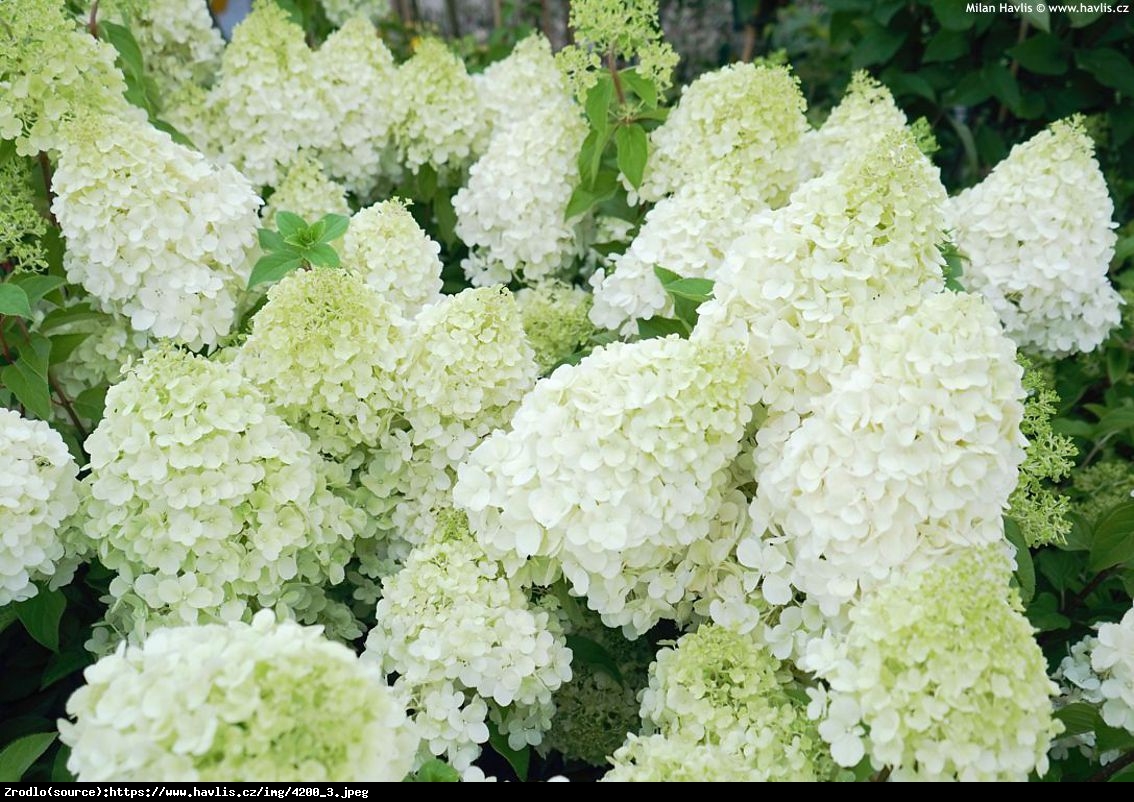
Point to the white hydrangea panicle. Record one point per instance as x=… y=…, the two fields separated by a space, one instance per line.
x=1100 y=671
x=266 y=701
x=154 y=231
x=736 y=129
x=386 y=246
x=612 y=468
x=39 y=492
x=306 y=191
x=528 y=77
x=359 y=84
x=912 y=454
x=50 y=70
x=866 y=113
x=342 y=12
x=326 y=351
x=178 y=41
x=467 y=644
x=938 y=677
x=720 y=688
x=204 y=502
x=442 y=124
x=555 y=321
x=855 y=245
x=688 y=233
x=1039 y=239
x=267 y=103
x=511 y=213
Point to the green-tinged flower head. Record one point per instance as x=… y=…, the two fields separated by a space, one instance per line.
x=326 y=351
x=469 y=363
x=555 y=320
x=866 y=113
x=204 y=502
x=306 y=191
x=722 y=688
x=596 y=710
x=22 y=224
x=463 y=639
x=443 y=124
x=939 y=677
x=1038 y=509
x=625 y=30
x=49 y=70
x=266 y=701
x=510 y=88
x=388 y=249
x=677 y=758
x=737 y=127
x=1100 y=486
x=178 y=41
x=340 y=12
x=38 y=493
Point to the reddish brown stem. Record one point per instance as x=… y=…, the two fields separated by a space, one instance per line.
x=45 y=168
x=612 y=65
x=1110 y=769
x=92 y=21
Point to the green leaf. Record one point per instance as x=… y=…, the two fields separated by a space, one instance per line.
x=945 y=45
x=64 y=665
x=968 y=91
x=36 y=285
x=1042 y=54
x=954 y=267
x=952 y=15
x=271 y=240
x=1114 y=420
x=1025 y=570
x=633 y=150
x=1113 y=541
x=79 y=313
x=651 y=327
x=1038 y=19
x=7 y=617
x=665 y=275
x=273 y=267
x=290 y=225
x=426 y=182
x=334 y=226
x=693 y=289
x=905 y=84
x=1109 y=67
x=1062 y=568
x=446 y=217
x=1117 y=363
x=878 y=46
x=19 y=756
x=435 y=770
x=29 y=388
x=14 y=301
x=128 y=51
x=63 y=345
x=41 y=615
x=1002 y=84
x=580 y=202
x=1079 y=717
x=1081 y=19
x=597 y=105
x=322 y=255
x=519 y=759
x=1108 y=738
x=59 y=771
x=1044 y=614
x=592 y=653
x=91 y=402
x=642 y=87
